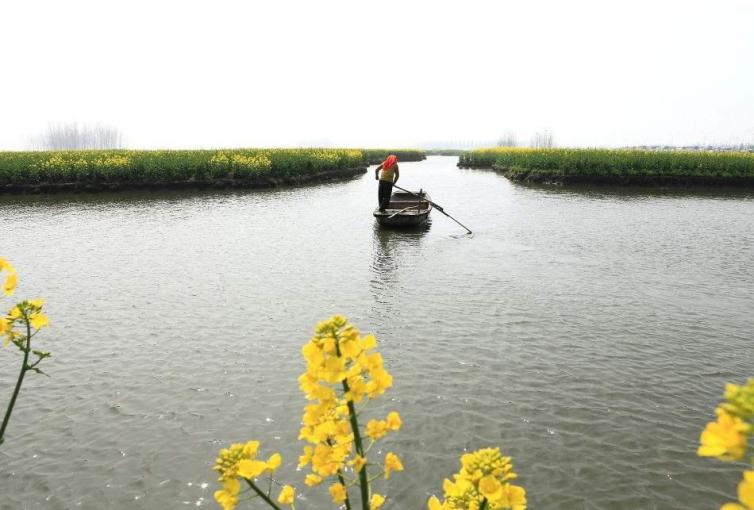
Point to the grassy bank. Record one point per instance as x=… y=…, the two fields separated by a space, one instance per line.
x=126 y=169
x=444 y=152
x=376 y=156
x=624 y=167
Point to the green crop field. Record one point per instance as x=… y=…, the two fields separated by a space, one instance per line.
x=375 y=156
x=145 y=167
x=618 y=166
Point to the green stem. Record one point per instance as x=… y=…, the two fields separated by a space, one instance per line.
x=484 y=505
x=262 y=495
x=24 y=368
x=343 y=483
x=363 y=477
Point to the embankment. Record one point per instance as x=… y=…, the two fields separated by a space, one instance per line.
x=616 y=167
x=115 y=170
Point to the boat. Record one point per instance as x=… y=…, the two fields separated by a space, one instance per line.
x=405 y=210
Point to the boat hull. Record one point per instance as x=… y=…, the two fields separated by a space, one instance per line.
x=405 y=210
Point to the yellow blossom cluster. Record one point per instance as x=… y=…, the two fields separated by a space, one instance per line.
x=745 y=494
x=482 y=483
x=343 y=370
x=726 y=438
x=239 y=462
x=325 y=158
x=26 y=311
x=29 y=311
x=18 y=326
x=9 y=285
x=241 y=164
x=739 y=400
x=112 y=161
x=73 y=161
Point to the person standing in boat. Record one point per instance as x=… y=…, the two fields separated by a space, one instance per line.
x=387 y=173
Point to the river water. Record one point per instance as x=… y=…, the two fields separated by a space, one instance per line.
x=587 y=332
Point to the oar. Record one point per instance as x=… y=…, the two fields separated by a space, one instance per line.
x=436 y=206
x=406 y=209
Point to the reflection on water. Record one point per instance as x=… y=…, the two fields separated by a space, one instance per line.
x=589 y=333
x=636 y=192
x=389 y=247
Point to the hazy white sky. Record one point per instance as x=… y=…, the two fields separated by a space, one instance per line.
x=379 y=73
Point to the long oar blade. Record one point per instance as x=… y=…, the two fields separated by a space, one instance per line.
x=436 y=206
x=452 y=218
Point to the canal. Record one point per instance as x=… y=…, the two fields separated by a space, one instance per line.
x=587 y=332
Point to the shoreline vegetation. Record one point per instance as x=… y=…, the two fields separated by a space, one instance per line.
x=623 y=167
x=377 y=156
x=116 y=170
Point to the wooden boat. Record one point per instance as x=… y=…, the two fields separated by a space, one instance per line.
x=405 y=210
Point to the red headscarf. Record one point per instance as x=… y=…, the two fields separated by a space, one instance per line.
x=389 y=161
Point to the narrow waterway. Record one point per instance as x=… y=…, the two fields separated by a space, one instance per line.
x=588 y=333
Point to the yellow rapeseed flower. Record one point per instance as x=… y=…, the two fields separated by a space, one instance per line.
x=306 y=458
x=6 y=331
x=491 y=488
x=381 y=380
x=342 y=369
x=745 y=494
x=251 y=469
x=311 y=479
x=338 y=493
x=724 y=438
x=514 y=497
x=10 y=284
x=358 y=462
x=6 y=266
x=376 y=429
x=485 y=475
x=376 y=502
x=38 y=320
x=273 y=463
x=393 y=421
x=459 y=489
x=227 y=497
x=434 y=504
x=369 y=342
x=739 y=400
x=287 y=495
x=392 y=463
x=228 y=459
x=10 y=281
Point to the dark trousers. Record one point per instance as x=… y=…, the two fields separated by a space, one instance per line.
x=383 y=194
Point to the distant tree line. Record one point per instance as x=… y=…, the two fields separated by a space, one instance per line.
x=737 y=147
x=72 y=136
x=507 y=140
x=540 y=139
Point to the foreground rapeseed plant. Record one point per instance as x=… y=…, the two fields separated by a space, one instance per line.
x=22 y=322
x=483 y=483
x=344 y=372
x=239 y=463
x=728 y=436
